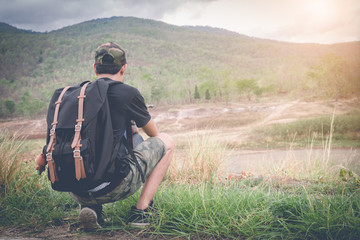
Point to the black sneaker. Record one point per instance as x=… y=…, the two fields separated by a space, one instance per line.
x=141 y=218
x=91 y=217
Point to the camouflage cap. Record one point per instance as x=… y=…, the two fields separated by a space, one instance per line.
x=110 y=54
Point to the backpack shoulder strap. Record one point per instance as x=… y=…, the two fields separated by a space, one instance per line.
x=52 y=142
x=79 y=163
x=129 y=146
x=80 y=118
x=55 y=120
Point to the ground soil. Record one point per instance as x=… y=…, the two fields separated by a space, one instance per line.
x=67 y=232
x=230 y=121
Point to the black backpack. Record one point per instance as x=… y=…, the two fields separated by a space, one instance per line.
x=80 y=149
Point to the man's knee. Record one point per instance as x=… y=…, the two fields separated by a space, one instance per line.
x=168 y=140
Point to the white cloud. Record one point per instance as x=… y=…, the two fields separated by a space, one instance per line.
x=44 y=15
x=324 y=21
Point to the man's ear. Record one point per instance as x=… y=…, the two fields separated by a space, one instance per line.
x=122 y=70
x=95 y=69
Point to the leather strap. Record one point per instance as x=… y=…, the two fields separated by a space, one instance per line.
x=79 y=163
x=55 y=120
x=52 y=141
x=80 y=119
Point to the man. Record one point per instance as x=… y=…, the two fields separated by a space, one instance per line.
x=154 y=154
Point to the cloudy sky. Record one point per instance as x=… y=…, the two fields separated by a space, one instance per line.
x=320 y=21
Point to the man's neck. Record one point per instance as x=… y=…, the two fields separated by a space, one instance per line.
x=115 y=77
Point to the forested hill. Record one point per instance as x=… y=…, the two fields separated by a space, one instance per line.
x=167 y=63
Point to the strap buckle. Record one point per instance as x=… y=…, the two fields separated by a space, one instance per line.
x=77 y=154
x=49 y=157
x=78 y=127
x=52 y=131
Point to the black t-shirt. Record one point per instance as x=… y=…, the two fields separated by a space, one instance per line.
x=126 y=103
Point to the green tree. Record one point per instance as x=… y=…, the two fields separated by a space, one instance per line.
x=157 y=91
x=4 y=87
x=10 y=105
x=248 y=87
x=330 y=78
x=28 y=105
x=2 y=109
x=217 y=82
x=196 y=93
x=207 y=95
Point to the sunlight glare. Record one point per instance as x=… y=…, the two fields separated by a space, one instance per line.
x=319 y=9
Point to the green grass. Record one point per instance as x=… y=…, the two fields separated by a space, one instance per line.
x=234 y=211
x=301 y=133
x=275 y=207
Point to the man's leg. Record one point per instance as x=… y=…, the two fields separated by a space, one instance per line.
x=155 y=178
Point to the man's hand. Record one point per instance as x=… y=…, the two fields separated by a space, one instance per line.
x=40 y=163
x=134 y=128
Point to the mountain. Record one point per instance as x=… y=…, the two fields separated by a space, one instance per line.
x=6 y=28
x=165 y=62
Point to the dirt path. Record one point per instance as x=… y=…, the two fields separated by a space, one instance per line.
x=260 y=162
x=234 y=121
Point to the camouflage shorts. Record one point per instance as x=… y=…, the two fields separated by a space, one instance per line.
x=148 y=154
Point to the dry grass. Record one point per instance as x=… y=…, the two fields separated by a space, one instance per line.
x=11 y=149
x=198 y=161
x=200 y=155
x=310 y=166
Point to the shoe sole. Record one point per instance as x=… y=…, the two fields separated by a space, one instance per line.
x=88 y=219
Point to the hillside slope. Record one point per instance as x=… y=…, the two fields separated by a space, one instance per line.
x=165 y=62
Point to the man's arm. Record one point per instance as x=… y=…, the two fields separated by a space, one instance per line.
x=150 y=129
